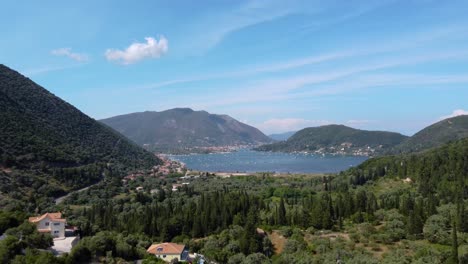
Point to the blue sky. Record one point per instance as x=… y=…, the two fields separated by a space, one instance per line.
x=277 y=65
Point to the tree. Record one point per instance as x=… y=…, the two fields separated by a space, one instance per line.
x=256 y=258
x=267 y=246
x=237 y=259
x=9 y=247
x=281 y=218
x=436 y=230
x=80 y=254
x=394 y=226
x=454 y=256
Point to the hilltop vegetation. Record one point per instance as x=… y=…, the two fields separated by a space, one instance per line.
x=48 y=147
x=182 y=128
x=435 y=135
x=433 y=170
x=337 y=139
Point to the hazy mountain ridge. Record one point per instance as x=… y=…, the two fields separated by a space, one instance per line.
x=337 y=139
x=181 y=128
x=282 y=136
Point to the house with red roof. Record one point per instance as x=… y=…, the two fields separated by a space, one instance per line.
x=169 y=251
x=52 y=223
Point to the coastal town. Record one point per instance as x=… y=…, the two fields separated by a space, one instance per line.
x=347 y=149
x=167 y=168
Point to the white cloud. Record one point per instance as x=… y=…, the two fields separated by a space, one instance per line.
x=457 y=112
x=277 y=125
x=208 y=32
x=67 y=52
x=139 y=51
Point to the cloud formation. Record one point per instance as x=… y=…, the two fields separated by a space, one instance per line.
x=139 y=51
x=67 y=52
x=457 y=112
x=278 y=125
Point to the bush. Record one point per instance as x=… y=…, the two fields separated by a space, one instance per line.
x=256 y=258
x=437 y=230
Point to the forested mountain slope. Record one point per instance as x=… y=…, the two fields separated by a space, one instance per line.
x=47 y=146
x=441 y=170
x=337 y=139
x=435 y=135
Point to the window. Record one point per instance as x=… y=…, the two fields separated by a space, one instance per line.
x=46 y=223
x=56 y=224
x=56 y=232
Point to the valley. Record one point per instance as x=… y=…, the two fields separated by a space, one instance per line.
x=326 y=193
x=234 y=132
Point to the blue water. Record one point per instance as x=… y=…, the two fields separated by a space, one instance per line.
x=253 y=161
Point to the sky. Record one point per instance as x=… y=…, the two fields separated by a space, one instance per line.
x=277 y=65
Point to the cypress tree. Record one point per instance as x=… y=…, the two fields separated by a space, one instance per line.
x=281 y=213
x=454 y=258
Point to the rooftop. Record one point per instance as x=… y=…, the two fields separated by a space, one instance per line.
x=166 y=249
x=57 y=217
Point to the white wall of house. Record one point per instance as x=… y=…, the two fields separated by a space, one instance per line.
x=168 y=258
x=57 y=229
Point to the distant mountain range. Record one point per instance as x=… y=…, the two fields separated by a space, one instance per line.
x=183 y=128
x=48 y=147
x=337 y=139
x=435 y=135
x=282 y=136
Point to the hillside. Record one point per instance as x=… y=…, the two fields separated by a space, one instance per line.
x=182 y=128
x=48 y=147
x=337 y=139
x=432 y=170
x=435 y=135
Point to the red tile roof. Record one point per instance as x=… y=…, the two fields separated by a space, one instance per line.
x=56 y=217
x=166 y=249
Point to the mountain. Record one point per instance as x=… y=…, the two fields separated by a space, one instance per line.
x=337 y=139
x=282 y=136
x=433 y=170
x=435 y=135
x=181 y=128
x=48 y=147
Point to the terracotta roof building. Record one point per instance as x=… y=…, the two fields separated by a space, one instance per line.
x=169 y=251
x=52 y=223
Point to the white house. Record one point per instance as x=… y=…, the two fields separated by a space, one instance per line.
x=52 y=223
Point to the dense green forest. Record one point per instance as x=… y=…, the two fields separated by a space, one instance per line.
x=48 y=147
x=331 y=137
x=396 y=209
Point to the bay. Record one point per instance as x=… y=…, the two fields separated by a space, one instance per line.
x=246 y=160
